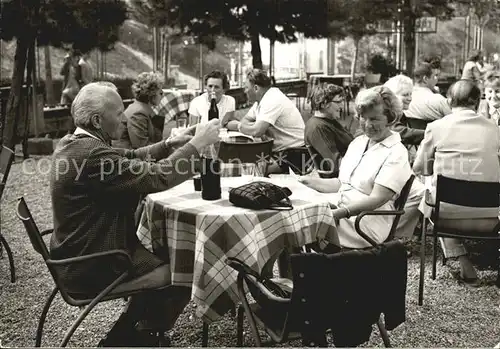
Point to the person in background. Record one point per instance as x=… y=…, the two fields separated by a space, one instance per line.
x=85 y=74
x=93 y=203
x=69 y=72
x=139 y=130
x=490 y=106
x=64 y=72
x=273 y=115
x=373 y=171
x=323 y=133
x=435 y=62
x=216 y=84
x=471 y=70
x=463 y=145
x=425 y=104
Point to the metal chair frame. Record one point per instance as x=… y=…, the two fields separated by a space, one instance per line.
x=464 y=193
x=86 y=305
x=6 y=159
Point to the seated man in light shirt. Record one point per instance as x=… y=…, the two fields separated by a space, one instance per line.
x=273 y=115
x=425 y=104
x=216 y=84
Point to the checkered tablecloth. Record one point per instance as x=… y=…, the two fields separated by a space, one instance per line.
x=196 y=236
x=174 y=102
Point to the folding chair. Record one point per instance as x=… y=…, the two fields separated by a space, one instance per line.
x=464 y=193
x=399 y=205
x=119 y=288
x=316 y=301
x=237 y=153
x=6 y=159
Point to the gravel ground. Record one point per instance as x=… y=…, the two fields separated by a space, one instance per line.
x=452 y=316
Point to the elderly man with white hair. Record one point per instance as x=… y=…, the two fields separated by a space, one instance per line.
x=95 y=190
x=402 y=87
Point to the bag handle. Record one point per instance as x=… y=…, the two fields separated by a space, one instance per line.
x=269 y=284
x=280 y=205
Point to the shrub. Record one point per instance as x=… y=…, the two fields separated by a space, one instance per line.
x=379 y=64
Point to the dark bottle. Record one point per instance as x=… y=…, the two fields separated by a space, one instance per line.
x=213 y=112
x=210 y=179
x=210 y=174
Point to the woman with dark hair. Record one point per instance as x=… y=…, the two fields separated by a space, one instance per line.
x=140 y=130
x=462 y=145
x=323 y=133
x=373 y=171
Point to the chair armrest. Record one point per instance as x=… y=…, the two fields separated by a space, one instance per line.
x=427 y=195
x=373 y=213
x=47 y=232
x=79 y=259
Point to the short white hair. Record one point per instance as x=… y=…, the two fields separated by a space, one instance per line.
x=91 y=100
x=397 y=84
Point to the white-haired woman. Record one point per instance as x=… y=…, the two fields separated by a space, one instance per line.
x=140 y=130
x=402 y=87
x=373 y=171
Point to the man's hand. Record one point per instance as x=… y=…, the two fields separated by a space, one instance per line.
x=179 y=140
x=206 y=134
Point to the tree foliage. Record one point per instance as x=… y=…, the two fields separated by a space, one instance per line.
x=80 y=24
x=240 y=20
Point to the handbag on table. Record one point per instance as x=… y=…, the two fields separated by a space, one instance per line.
x=261 y=195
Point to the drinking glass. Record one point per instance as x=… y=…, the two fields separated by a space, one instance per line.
x=182 y=123
x=223 y=134
x=247 y=172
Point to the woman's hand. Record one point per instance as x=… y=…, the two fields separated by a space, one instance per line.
x=339 y=213
x=323 y=185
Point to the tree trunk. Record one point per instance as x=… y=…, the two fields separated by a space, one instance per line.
x=49 y=85
x=355 y=58
x=8 y=128
x=409 y=37
x=256 y=51
x=167 y=58
x=25 y=119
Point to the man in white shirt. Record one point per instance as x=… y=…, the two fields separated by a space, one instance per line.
x=216 y=83
x=273 y=115
x=426 y=104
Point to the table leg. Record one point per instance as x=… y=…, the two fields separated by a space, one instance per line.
x=204 y=336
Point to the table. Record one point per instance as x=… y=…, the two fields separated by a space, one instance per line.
x=196 y=236
x=173 y=103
